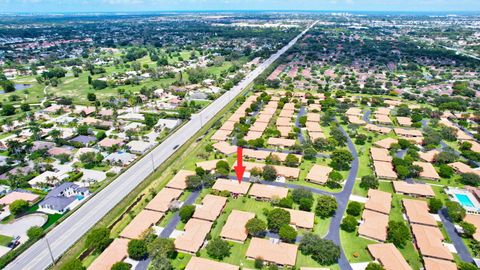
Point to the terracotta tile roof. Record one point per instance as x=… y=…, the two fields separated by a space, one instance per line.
x=220 y=135
x=386 y=143
x=225 y=148
x=115 y=252
x=268 y=192
x=209 y=165
x=319 y=174
x=192 y=239
x=429 y=156
x=374 y=225
x=301 y=219
x=232 y=186
x=388 y=256
x=436 y=264
x=281 y=142
x=428 y=172
x=380 y=154
x=422 y=190
x=379 y=201
x=179 y=181
x=475 y=220
x=161 y=201
x=143 y=221
x=210 y=208
x=384 y=169
x=197 y=263
x=234 y=228
x=429 y=241
x=417 y=212
x=278 y=253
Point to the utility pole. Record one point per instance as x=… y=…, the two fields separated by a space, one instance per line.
x=50 y=250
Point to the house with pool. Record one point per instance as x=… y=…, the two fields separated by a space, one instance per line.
x=63 y=198
x=465 y=198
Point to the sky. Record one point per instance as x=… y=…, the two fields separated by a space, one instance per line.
x=41 y=6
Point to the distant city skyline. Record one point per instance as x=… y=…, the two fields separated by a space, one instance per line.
x=42 y=6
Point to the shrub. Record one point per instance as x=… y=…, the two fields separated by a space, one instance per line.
x=287 y=233
x=73 y=264
x=368 y=182
x=121 y=266
x=186 y=212
x=218 y=249
x=258 y=263
x=98 y=239
x=349 y=224
x=354 y=208
x=269 y=173
x=277 y=218
x=286 y=202
x=398 y=233
x=137 y=249
x=326 y=206
x=468 y=229
x=434 y=205
x=35 y=232
x=455 y=211
x=255 y=226
x=322 y=251
x=305 y=204
x=299 y=193
x=18 y=207
x=374 y=266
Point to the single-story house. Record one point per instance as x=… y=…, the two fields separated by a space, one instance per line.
x=179 y=181
x=85 y=140
x=416 y=212
x=211 y=207
x=319 y=174
x=162 y=201
x=233 y=186
x=267 y=192
x=388 y=256
x=234 y=228
x=415 y=190
x=117 y=251
x=192 y=239
x=18 y=195
x=279 y=253
x=197 y=263
x=139 y=147
x=121 y=158
x=110 y=142
x=379 y=201
x=142 y=222
x=428 y=172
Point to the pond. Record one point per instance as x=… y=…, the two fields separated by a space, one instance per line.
x=18 y=86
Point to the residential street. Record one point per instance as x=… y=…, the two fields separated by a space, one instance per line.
x=62 y=237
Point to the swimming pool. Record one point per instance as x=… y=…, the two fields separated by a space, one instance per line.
x=464 y=200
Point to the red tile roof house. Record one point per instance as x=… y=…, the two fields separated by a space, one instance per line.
x=109 y=142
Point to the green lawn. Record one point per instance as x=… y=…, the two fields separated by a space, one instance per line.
x=5 y=240
x=355 y=247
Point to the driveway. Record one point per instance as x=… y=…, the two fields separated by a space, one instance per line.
x=19 y=227
x=454 y=237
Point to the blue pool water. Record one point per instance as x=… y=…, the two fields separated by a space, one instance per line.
x=464 y=200
x=80 y=197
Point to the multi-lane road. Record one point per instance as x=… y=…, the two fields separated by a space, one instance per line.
x=62 y=237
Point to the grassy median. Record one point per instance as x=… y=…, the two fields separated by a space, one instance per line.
x=156 y=180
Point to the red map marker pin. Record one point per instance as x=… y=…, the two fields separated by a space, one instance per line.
x=240 y=169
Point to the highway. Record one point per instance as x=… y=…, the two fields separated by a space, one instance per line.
x=63 y=236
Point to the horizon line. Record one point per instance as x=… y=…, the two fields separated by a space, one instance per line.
x=244 y=10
